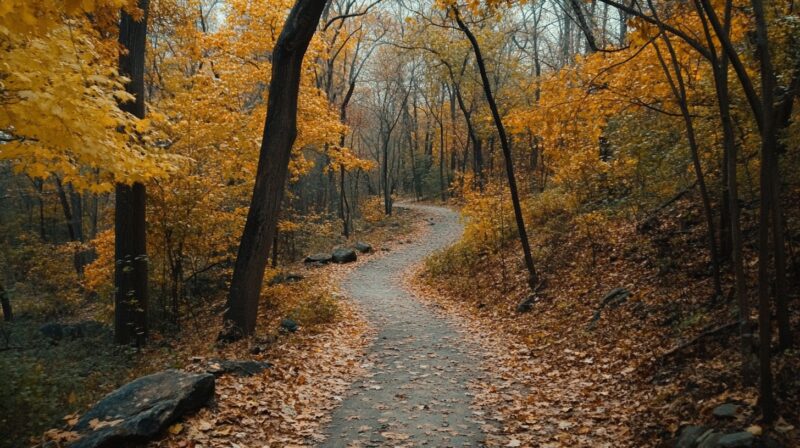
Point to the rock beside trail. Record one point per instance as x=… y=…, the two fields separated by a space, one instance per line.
x=143 y=408
x=320 y=258
x=289 y=277
x=741 y=439
x=687 y=437
x=57 y=331
x=727 y=410
x=362 y=247
x=289 y=324
x=702 y=437
x=526 y=305
x=244 y=367
x=343 y=255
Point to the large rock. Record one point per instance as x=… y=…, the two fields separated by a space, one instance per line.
x=243 y=367
x=709 y=439
x=57 y=331
x=143 y=408
x=344 y=255
x=727 y=410
x=688 y=436
x=320 y=258
x=741 y=439
x=363 y=247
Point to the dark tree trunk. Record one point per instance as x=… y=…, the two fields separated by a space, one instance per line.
x=280 y=131
x=8 y=314
x=473 y=136
x=65 y=206
x=130 y=245
x=442 y=190
x=769 y=199
x=681 y=96
x=533 y=278
x=76 y=204
x=732 y=229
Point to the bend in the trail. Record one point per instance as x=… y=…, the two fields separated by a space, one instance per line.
x=415 y=390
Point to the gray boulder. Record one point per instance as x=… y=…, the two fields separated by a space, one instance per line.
x=289 y=277
x=741 y=439
x=688 y=436
x=709 y=440
x=143 y=408
x=343 y=255
x=362 y=247
x=57 y=331
x=243 y=367
x=727 y=410
x=320 y=258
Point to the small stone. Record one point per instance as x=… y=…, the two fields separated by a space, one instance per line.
x=237 y=367
x=289 y=324
x=320 y=258
x=741 y=439
x=363 y=247
x=526 y=305
x=727 y=410
x=289 y=277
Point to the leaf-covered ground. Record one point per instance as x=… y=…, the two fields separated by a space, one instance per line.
x=632 y=377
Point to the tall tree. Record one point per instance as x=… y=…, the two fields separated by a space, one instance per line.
x=280 y=131
x=533 y=278
x=130 y=243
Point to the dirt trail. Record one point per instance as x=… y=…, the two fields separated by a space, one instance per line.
x=415 y=390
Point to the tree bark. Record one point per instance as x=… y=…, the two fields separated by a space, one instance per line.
x=769 y=200
x=8 y=314
x=280 y=131
x=130 y=245
x=719 y=65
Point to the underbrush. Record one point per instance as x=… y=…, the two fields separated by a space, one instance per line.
x=661 y=359
x=45 y=380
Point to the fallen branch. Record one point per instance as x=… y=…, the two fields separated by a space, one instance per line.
x=697 y=338
x=648 y=221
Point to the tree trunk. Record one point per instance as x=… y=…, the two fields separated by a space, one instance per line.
x=769 y=143
x=65 y=206
x=130 y=246
x=442 y=190
x=733 y=230
x=8 y=314
x=280 y=131
x=681 y=97
x=533 y=278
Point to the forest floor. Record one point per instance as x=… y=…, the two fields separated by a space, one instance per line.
x=415 y=359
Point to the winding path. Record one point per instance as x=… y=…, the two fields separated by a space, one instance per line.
x=415 y=390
